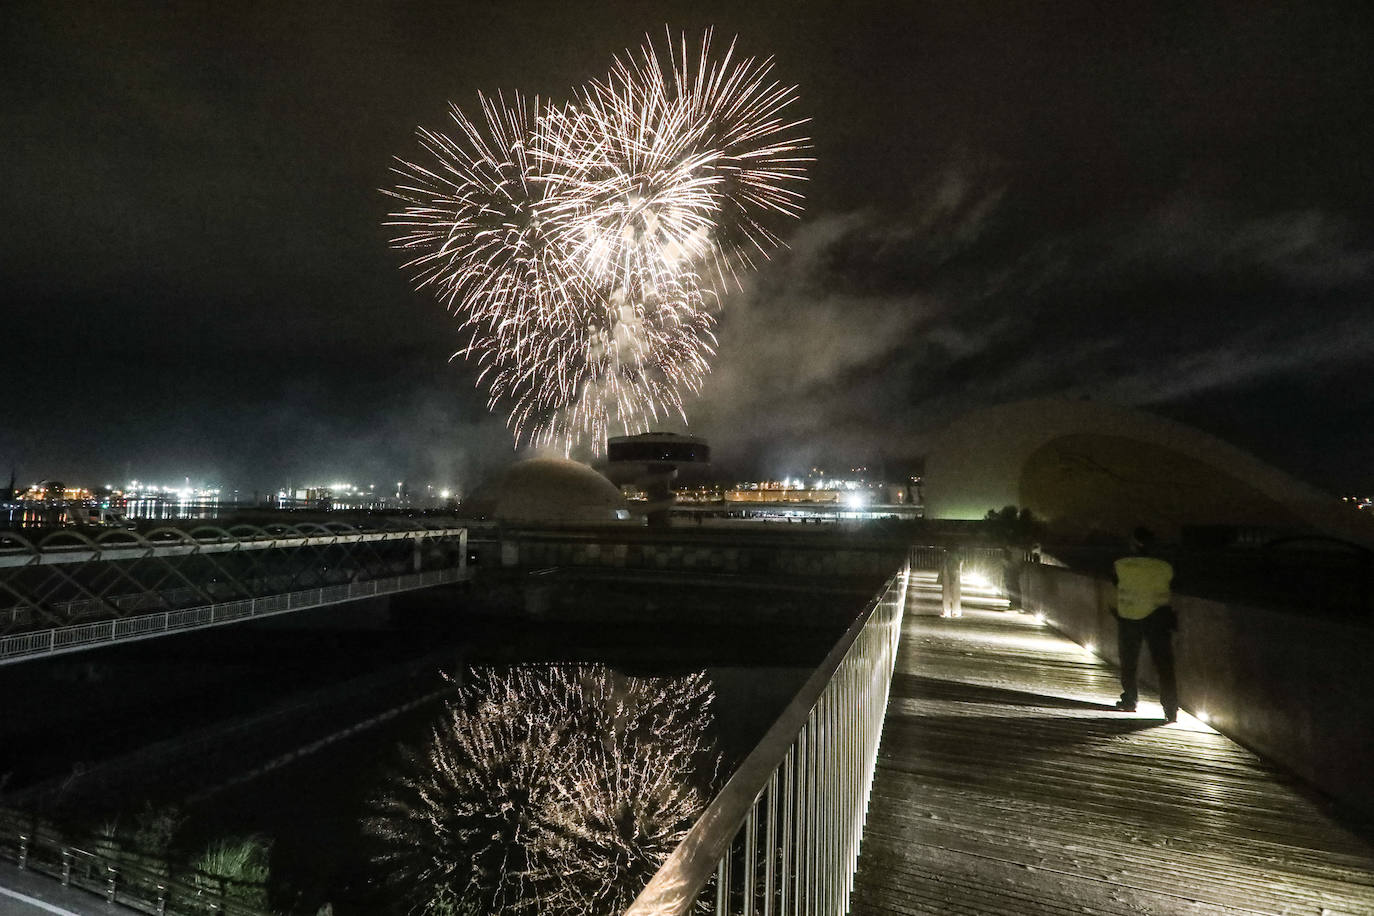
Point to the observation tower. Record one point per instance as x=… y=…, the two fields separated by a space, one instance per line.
x=650 y=462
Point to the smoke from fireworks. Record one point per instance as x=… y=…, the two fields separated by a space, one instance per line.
x=583 y=245
x=547 y=790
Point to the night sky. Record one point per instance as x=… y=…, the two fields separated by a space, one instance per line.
x=1166 y=205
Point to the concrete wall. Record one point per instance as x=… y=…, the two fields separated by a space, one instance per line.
x=799 y=558
x=1298 y=690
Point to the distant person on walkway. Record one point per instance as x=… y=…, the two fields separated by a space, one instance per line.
x=1011 y=576
x=950 y=580
x=1144 y=613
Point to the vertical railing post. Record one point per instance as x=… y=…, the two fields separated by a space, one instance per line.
x=812 y=819
x=751 y=842
x=803 y=824
x=822 y=879
x=789 y=808
x=843 y=776
x=23 y=851
x=723 y=886
x=841 y=780
x=66 y=868
x=833 y=756
x=770 y=844
x=823 y=798
x=853 y=709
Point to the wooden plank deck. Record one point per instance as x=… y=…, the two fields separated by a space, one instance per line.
x=1006 y=783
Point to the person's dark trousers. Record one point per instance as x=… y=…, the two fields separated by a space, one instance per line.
x=1158 y=631
x=1011 y=584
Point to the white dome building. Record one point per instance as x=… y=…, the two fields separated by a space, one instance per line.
x=548 y=491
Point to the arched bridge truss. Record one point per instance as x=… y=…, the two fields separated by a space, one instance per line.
x=73 y=590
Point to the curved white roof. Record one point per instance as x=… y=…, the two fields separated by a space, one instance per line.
x=1003 y=455
x=549 y=491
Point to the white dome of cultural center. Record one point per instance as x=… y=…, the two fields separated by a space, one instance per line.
x=1090 y=465
x=548 y=491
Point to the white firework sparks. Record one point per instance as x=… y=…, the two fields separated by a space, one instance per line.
x=663 y=166
x=582 y=245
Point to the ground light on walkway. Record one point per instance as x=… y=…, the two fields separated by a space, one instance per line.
x=1148 y=709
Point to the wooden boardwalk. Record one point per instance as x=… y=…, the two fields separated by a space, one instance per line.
x=1006 y=783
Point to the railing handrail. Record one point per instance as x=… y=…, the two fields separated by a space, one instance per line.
x=688 y=869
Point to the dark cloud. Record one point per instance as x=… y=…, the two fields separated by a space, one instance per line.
x=872 y=331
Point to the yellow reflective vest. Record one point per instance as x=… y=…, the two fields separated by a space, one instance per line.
x=1142 y=584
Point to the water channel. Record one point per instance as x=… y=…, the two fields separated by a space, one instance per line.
x=342 y=759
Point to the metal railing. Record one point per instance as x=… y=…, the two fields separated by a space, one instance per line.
x=135 y=882
x=782 y=837
x=58 y=640
x=71 y=546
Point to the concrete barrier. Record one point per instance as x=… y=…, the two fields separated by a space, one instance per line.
x=1297 y=690
x=633 y=549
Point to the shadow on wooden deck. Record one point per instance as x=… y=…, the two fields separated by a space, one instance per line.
x=1007 y=783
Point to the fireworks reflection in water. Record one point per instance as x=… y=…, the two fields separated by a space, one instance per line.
x=547 y=790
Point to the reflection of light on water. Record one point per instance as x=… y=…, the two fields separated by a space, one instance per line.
x=106 y=512
x=547 y=790
x=181 y=508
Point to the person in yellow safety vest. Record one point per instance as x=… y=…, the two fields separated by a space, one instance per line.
x=1144 y=613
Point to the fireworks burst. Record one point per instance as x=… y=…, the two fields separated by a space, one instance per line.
x=548 y=790
x=583 y=245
